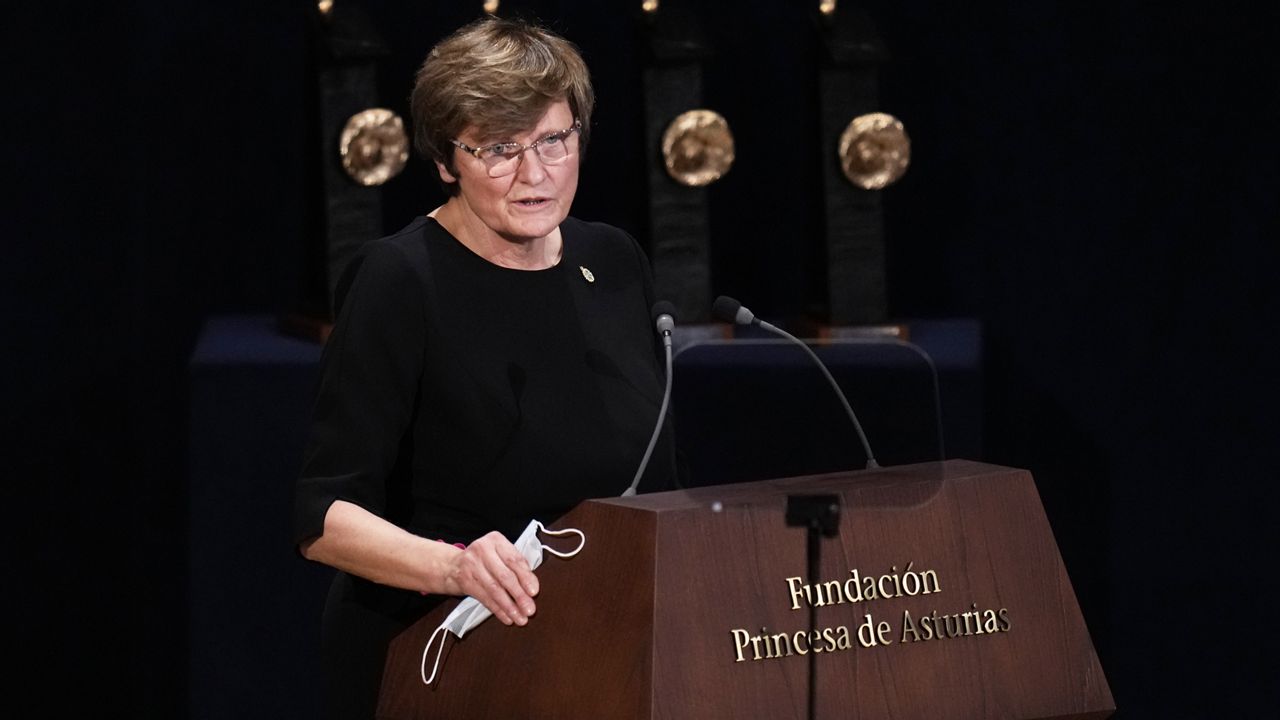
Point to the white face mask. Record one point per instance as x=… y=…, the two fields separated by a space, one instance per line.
x=471 y=613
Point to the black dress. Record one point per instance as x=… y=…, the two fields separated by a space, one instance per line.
x=457 y=397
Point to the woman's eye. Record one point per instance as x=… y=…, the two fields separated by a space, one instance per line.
x=503 y=148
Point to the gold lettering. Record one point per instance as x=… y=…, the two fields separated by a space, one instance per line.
x=951 y=624
x=856 y=595
x=829 y=593
x=908 y=626
x=842 y=638
x=930 y=582
x=795 y=642
x=829 y=638
x=880 y=586
x=781 y=645
x=869 y=589
x=910 y=576
x=989 y=621
x=927 y=624
x=795 y=587
x=1004 y=620
x=740 y=639
x=871 y=634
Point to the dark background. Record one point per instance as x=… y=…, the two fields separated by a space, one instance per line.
x=1095 y=182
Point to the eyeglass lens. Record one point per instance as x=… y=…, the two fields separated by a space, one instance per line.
x=503 y=159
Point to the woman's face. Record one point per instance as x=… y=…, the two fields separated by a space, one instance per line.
x=531 y=202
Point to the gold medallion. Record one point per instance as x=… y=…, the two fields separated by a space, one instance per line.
x=373 y=146
x=874 y=151
x=697 y=148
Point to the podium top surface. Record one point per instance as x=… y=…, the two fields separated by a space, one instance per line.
x=913 y=484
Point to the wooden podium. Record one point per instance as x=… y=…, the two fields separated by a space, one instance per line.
x=942 y=596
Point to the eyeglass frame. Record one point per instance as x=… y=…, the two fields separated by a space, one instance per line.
x=559 y=135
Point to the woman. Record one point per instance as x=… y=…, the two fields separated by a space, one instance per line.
x=492 y=363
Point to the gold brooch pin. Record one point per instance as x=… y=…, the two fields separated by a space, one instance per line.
x=586 y=274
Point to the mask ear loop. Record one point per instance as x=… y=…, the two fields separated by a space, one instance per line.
x=567 y=531
x=440 y=651
x=436 y=667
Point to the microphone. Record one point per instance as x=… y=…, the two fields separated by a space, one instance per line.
x=664 y=322
x=729 y=310
x=664 y=319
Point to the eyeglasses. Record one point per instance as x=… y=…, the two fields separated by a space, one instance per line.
x=502 y=159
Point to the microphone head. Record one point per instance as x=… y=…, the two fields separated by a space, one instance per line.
x=725 y=308
x=663 y=307
x=664 y=316
x=729 y=310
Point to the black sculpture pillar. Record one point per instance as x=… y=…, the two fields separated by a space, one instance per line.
x=344 y=49
x=678 y=214
x=855 y=289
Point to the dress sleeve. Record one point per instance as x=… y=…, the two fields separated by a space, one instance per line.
x=366 y=392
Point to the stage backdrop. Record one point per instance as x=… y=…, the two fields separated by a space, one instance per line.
x=1095 y=183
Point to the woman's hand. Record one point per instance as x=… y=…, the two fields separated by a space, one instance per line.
x=492 y=571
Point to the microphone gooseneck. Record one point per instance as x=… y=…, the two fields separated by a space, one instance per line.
x=729 y=310
x=664 y=322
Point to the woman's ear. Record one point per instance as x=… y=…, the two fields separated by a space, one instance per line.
x=445 y=175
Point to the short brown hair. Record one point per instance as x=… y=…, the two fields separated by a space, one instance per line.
x=500 y=76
